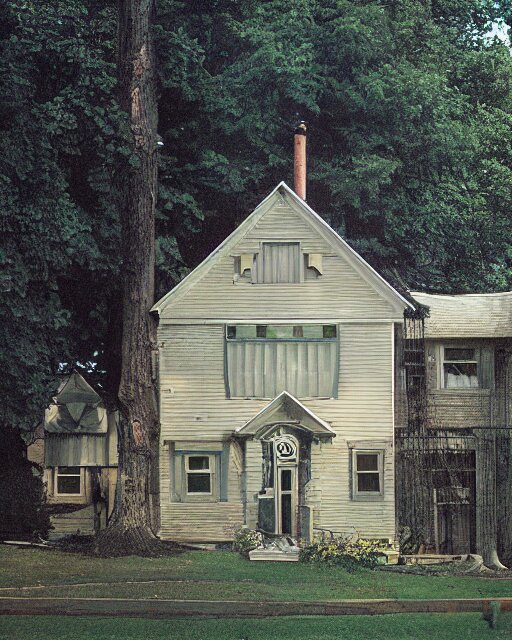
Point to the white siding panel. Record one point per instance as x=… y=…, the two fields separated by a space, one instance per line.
x=212 y=522
x=283 y=224
x=194 y=407
x=339 y=292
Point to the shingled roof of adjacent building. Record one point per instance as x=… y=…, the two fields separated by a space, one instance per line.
x=486 y=315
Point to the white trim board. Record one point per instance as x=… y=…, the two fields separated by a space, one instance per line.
x=273 y=320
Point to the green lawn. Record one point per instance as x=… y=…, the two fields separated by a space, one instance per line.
x=219 y=575
x=469 y=626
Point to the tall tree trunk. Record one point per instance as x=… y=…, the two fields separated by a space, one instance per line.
x=130 y=528
x=486 y=517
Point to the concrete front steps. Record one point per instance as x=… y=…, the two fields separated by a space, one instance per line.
x=275 y=555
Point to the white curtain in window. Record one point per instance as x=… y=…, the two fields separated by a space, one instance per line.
x=278 y=262
x=264 y=369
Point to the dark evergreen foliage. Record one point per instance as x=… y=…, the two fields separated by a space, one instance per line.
x=22 y=498
x=409 y=110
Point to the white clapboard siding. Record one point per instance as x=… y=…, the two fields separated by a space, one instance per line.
x=339 y=293
x=194 y=407
x=196 y=522
x=79 y=522
x=271 y=228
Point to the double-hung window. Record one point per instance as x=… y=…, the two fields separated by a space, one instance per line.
x=198 y=476
x=263 y=360
x=367 y=473
x=69 y=481
x=459 y=368
x=198 y=471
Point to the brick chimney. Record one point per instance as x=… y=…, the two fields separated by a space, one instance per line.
x=299 y=160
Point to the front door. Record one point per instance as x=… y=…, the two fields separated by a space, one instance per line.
x=286 y=461
x=286 y=519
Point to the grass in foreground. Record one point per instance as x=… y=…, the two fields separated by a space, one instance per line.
x=469 y=626
x=220 y=576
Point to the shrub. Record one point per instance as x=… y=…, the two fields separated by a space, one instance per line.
x=23 y=507
x=246 y=540
x=350 y=554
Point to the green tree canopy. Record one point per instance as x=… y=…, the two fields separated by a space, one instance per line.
x=408 y=104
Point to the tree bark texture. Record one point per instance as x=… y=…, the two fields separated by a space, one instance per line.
x=503 y=382
x=486 y=507
x=130 y=529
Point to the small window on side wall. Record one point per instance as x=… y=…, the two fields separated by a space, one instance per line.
x=68 y=481
x=460 y=368
x=367 y=474
x=197 y=477
x=198 y=471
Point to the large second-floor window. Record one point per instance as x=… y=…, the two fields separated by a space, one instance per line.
x=263 y=360
x=460 y=368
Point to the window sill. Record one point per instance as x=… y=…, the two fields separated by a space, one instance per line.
x=196 y=499
x=373 y=498
x=63 y=498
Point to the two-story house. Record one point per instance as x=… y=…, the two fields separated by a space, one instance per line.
x=455 y=455
x=276 y=379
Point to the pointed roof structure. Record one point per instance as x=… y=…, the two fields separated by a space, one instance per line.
x=285 y=408
x=283 y=194
x=76 y=409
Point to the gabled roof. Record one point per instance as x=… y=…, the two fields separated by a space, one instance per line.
x=76 y=389
x=486 y=315
x=76 y=409
x=339 y=245
x=287 y=409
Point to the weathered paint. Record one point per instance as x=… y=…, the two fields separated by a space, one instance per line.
x=194 y=407
x=196 y=412
x=282 y=216
x=460 y=408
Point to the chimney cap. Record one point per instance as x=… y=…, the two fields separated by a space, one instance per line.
x=301 y=128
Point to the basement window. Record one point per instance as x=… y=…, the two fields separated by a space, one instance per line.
x=68 y=481
x=459 y=368
x=368 y=474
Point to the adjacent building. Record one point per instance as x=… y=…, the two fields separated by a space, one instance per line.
x=77 y=449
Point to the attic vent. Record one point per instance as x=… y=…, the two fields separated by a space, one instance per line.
x=278 y=262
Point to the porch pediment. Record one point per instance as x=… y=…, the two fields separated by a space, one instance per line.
x=286 y=409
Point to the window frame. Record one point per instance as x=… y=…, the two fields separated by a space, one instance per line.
x=210 y=471
x=286 y=339
x=259 y=257
x=443 y=361
x=336 y=339
x=81 y=475
x=367 y=495
x=178 y=465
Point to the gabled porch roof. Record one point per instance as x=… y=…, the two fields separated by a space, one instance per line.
x=287 y=409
